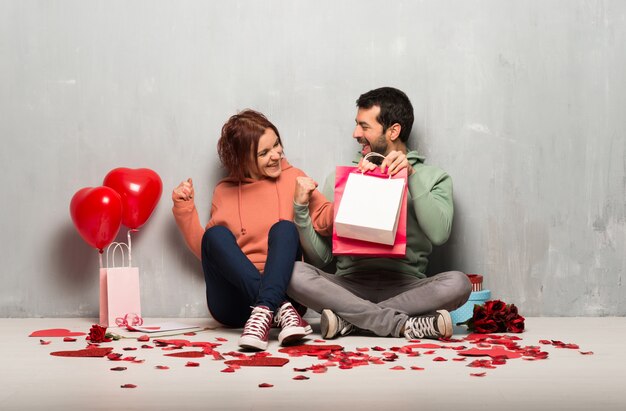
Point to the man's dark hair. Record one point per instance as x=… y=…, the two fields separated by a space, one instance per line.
x=395 y=107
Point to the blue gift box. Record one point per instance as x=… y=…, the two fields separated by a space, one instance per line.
x=465 y=312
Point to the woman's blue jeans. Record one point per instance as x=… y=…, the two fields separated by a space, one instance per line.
x=234 y=284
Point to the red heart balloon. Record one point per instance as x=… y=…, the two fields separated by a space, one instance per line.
x=140 y=190
x=97 y=214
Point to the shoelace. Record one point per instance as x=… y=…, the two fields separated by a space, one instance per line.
x=422 y=326
x=287 y=317
x=344 y=327
x=257 y=324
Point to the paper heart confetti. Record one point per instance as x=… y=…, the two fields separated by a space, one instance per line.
x=186 y=354
x=56 y=332
x=88 y=352
x=426 y=346
x=259 y=362
x=179 y=343
x=312 y=350
x=496 y=351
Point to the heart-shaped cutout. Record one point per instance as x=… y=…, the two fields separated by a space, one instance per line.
x=186 y=354
x=259 y=362
x=312 y=350
x=491 y=352
x=87 y=352
x=56 y=332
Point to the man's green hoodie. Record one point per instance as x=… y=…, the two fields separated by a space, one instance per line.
x=429 y=221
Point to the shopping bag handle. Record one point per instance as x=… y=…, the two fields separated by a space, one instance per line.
x=373 y=154
x=117 y=246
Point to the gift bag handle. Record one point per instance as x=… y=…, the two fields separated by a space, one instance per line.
x=121 y=246
x=373 y=154
x=117 y=246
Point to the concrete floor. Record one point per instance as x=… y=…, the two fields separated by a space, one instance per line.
x=31 y=379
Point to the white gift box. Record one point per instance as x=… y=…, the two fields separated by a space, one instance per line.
x=370 y=208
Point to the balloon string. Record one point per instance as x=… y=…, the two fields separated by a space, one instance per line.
x=129 y=249
x=100 y=255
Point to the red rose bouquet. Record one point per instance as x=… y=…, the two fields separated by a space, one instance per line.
x=495 y=316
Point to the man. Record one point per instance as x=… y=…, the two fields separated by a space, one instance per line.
x=387 y=296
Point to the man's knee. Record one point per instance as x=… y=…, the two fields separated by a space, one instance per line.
x=460 y=283
x=300 y=277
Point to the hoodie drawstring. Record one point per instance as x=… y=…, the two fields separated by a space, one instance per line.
x=243 y=230
x=239 y=195
x=278 y=197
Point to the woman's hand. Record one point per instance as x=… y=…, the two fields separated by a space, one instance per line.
x=184 y=191
x=304 y=190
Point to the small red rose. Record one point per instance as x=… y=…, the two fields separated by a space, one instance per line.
x=97 y=334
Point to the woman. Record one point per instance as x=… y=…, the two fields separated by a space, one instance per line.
x=251 y=243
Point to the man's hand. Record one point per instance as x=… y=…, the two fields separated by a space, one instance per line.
x=184 y=191
x=393 y=163
x=304 y=190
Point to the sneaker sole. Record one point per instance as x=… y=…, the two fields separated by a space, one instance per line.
x=292 y=334
x=250 y=343
x=328 y=322
x=447 y=322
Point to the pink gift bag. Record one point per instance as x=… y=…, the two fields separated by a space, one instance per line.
x=361 y=220
x=119 y=289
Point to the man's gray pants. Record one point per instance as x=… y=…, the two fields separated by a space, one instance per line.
x=378 y=302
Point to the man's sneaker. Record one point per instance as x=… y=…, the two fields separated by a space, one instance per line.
x=333 y=325
x=293 y=327
x=257 y=329
x=435 y=326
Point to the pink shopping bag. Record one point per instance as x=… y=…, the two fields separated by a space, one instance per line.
x=361 y=225
x=119 y=290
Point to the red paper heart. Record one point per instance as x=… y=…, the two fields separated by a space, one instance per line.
x=56 y=332
x=179 y=343
x=186 y=354
x=204 y=344
x=140 y=191
x=88 y=352
x=493 y=352
x=312 y=350
x=259 y=362
x=425 y=345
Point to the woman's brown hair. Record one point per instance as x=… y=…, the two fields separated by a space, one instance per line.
x=239 y=142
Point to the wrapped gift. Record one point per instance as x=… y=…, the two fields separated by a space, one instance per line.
x=478 y=297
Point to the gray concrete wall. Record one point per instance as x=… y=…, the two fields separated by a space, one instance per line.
x=521 y=102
